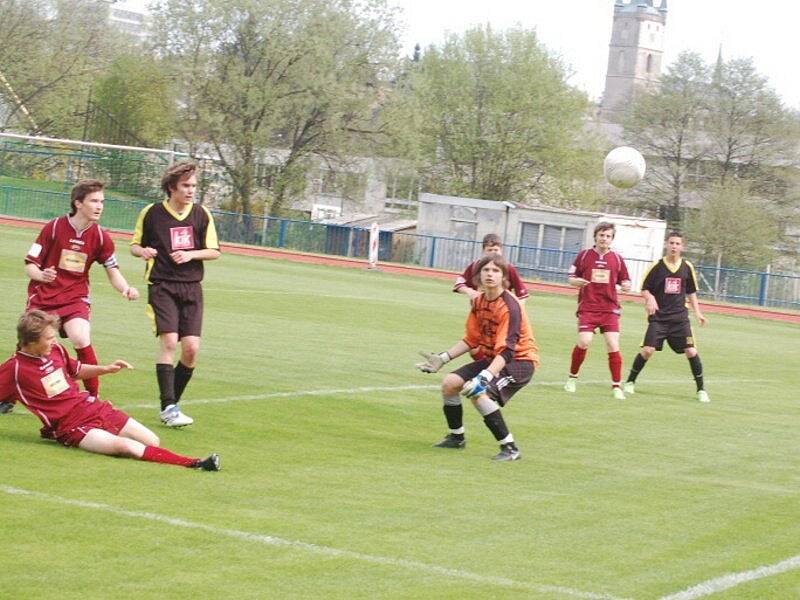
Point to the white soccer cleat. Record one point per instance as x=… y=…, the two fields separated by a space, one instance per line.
x=702 y=396
x=618 y=393
x=570 y=386
x=173 y=417
x=629 y=387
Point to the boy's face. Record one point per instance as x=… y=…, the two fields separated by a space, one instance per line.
x=491 y=276
x=183 y=192
x=493 y=249
x=603 y=239
x=44 y=345
x=674 y=247
x=91 y=207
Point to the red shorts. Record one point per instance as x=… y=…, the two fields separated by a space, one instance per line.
x=87 y=416
x=80 y=309
x=605 y=321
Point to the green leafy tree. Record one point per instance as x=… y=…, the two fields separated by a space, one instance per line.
x=732 y=229
x=499 y=121
x=278 y=82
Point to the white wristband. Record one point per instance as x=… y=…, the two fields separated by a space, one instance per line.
x=445 y=356
x=487 y=375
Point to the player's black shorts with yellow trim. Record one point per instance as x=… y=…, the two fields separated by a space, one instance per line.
x=176 y=307
x=677 y=333
x=514 y=376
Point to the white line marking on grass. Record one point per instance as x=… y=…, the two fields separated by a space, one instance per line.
x=298 y=393
x=269 y=540
x=726 y=582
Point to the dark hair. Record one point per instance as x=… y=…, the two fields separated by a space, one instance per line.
x=602 y=226
x=675 y=233
x=32 y=324
x=82 y=189
x=174 y=173
x=491 y=239
x=499 y=260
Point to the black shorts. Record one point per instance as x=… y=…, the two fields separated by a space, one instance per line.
x=514 y=376
x=176 y=307
x=678 y=335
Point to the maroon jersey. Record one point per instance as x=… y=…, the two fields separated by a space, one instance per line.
x=603 y=273
x=44 y=384
x=516 y=284
x=71 y=253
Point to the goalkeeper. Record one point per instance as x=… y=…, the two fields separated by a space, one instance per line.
x=498 y=326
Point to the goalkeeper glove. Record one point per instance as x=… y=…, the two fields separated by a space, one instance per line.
x=477 y=385
x=6 y=407
x=433 y=362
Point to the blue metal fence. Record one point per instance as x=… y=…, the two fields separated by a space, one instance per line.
x=741 y=286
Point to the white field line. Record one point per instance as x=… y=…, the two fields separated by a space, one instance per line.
x=388 y=389
x=726 y=582
x=269 y=540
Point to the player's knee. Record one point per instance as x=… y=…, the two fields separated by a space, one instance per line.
x=647 y=352
x=451 y=384
x=691 y=352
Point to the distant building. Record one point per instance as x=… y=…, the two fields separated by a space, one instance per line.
x=130 y=19
x=634 y=53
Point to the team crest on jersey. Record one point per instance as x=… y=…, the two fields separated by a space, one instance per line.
x=672 y=285
x=182 y=238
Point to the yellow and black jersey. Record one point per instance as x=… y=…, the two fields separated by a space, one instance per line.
x=160 y=227
x=670 y=286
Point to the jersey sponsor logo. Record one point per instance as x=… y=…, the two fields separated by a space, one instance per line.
x=672 y=285
x=55 y=383
x=601 y=276
x=72 y=261
x=78 y=242
x=182 y=238
x=35 y=251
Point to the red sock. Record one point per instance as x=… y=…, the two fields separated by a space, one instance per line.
x=615 y=366
x=162 y=455
x=87 y=356
x=578 y=354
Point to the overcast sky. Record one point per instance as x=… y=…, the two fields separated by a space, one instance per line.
x=579 y=31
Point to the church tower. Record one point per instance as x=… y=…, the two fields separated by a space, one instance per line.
x=634 y=53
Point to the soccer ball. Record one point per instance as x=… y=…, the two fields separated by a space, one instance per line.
x=624 y=167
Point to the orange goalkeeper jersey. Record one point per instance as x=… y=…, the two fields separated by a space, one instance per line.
x=501 y=326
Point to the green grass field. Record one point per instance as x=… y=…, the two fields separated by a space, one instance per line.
x=330 y=487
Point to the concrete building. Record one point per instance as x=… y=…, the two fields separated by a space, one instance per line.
x=634 y=53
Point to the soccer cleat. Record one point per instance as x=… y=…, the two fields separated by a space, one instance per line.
x=508 y=452
x=210 y=463
x=6 y=407
x=570 y=385
x=173 y=417
x=702 y=396
x=452 y=440
x=618 y=393
x=629 y=387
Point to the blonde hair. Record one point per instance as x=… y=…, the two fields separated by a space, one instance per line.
x=32 y=324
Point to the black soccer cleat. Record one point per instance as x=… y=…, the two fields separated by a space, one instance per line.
x=452 y=440
x=508 y=452
x=6 y=407
x=210 y=463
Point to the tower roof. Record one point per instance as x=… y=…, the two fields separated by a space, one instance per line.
x=640 y=6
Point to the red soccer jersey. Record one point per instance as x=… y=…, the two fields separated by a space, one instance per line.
x=516 y=284
x=44 y=384
x=603 y=273
x=71 y=253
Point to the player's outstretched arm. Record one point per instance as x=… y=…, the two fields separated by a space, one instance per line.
x=436 y=360
x=89 y=371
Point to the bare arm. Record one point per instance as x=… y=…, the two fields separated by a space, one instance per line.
x=650 y=303
x=459 y=348
x=183 y=256
x=577 y=282
x=143 y=252
x=41 y=275
x=121 y=285
x=696 y=308
x=90 y=371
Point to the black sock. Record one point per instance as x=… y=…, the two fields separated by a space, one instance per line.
x=638 y=364
x=697 y=371
x=496 y=424
x=454 y=413
x=166 y=384
x=182 y=376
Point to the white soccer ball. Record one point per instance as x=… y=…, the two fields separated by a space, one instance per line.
x=624 y=167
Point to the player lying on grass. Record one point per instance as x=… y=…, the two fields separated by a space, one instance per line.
x=43 y=377
x=498 y=325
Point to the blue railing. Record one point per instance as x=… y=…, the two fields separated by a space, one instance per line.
x=741 y=286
